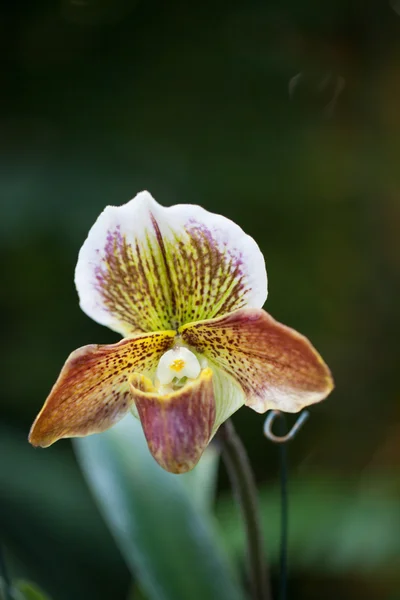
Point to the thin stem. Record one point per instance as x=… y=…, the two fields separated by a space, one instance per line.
x=242 y=480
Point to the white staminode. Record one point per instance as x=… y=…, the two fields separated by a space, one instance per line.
x=178 y=362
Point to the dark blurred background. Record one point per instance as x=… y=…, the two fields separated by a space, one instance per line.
x=283 y=116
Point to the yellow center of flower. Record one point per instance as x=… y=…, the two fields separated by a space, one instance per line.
x=177 y=365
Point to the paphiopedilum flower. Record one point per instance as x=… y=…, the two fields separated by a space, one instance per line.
x=185 y=288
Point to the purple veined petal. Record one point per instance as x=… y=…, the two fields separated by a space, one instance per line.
x=92 y=391
x=145 y=267
x=178 y=426
x=276 y=367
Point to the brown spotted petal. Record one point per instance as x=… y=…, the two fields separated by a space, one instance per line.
x=145 y=267
x=178 y=425
x=274 y=365
x=92 y=391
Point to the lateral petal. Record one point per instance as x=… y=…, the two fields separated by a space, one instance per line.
x=92 y=391
x=276 y=366
x=177 y=426
x=145 y=267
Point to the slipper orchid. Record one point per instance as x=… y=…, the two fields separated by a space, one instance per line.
x=185 y=289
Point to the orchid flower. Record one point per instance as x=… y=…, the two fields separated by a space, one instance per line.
x=185 y=289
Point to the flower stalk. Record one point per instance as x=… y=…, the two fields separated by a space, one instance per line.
x=242 y=480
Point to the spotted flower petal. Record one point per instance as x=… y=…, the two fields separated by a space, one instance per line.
x=146 y=268
x=92 y=392
x=275 y=366
x=178 y=425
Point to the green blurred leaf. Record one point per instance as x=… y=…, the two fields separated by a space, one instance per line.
x=50 y=525
x=201 y=482
x=335 y=524
x=29 y=591
x=168 y=544
x=22 y=590
x=135 y=593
